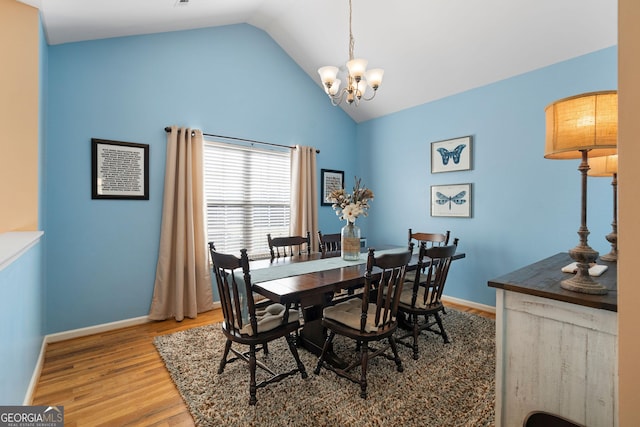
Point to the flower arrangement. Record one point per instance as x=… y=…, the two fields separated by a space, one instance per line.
x=350 y=206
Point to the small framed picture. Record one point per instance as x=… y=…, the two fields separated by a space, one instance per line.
x=119 y=170
x=451 y=200
x=451 y=155
x=331 y=180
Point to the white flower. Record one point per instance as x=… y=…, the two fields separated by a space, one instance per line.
x=351 y=212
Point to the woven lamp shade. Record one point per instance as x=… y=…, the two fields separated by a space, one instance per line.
x=583 y=122
x=603 y=166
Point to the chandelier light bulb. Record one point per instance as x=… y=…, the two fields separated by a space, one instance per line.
x=374 y=77
x=328 y=74
x=362 y=87
x=357 y=68
x=334 y=88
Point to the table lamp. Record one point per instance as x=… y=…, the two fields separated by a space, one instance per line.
x=580 y=127
x=608 y=166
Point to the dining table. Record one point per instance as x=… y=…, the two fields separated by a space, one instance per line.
x=313 y=281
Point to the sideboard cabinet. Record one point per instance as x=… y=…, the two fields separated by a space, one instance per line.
x=556 y=350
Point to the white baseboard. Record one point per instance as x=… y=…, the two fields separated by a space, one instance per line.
x=28 y=397
x=96 y=329
x=471 y=304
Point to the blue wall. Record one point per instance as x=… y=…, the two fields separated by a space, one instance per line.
x=21 y=324
x=525 y=207
x=234 y=80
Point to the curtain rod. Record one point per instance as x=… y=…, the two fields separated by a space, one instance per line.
x=168 y=129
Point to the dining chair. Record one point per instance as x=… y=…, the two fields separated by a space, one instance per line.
x=430 y=240
x=329 y=242
x=289 y=246
x=422 y=298
x=368 y=318
x=248 y=324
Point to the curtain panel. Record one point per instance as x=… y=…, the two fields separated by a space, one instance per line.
x=183 y=283
x=304 y=194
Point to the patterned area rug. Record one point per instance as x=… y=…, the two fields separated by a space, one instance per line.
x=449 y=385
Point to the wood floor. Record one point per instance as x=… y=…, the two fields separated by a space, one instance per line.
x=117 y=378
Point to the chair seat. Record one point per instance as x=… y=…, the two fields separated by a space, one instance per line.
x=270 y=317
x=407 y=294
x=348 y=313
x=410 y=276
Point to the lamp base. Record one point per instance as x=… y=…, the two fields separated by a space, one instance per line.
x=582 y=282
x=613 y=255
x=584 y=286
x=610 y=257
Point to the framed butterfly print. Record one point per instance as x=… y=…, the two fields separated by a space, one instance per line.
x=451 y=200
x=451 y=155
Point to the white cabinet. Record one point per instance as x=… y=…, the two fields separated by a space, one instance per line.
x=553 y=355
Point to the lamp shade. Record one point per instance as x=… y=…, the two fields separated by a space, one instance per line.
x=603 y=166
x=328 y=74
x=357 y=67
x=374 y=77
x=587 y=122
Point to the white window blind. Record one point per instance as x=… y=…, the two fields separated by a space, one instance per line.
x=247 y=194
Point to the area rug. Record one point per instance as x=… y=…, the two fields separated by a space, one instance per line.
x=449 y=385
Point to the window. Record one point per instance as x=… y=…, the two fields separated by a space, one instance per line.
x=247 y=193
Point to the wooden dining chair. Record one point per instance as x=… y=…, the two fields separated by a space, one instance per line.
x=289 y=246
x=249 y=325
x=330 y=242
x=422 y=298
x=368 y=318
x=430 y=240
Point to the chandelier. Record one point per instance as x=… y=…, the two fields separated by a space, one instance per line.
x=358 y=78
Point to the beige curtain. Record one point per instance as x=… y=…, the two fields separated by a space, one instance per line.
x=183 y=283
x=304 y=194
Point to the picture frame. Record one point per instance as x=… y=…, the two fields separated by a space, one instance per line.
x=119 y=170
x=452 y=200
x=451 y=155
x=330 y=180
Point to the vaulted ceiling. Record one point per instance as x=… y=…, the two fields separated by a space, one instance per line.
x=429 y=49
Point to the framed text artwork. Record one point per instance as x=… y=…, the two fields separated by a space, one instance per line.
x=451 y=200
x=119 y=170
x=331 y=180
x=451 y=155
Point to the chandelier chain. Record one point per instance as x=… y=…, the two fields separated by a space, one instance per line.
x=351 y=39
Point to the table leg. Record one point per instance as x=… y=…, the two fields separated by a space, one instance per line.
x=313 y=335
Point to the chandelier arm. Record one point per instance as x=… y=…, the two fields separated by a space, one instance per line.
x=338 y=98
x=372 y=96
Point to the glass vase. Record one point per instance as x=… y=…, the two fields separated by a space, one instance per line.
x=350 y=242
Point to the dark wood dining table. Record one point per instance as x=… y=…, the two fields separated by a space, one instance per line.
x=314 y=290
